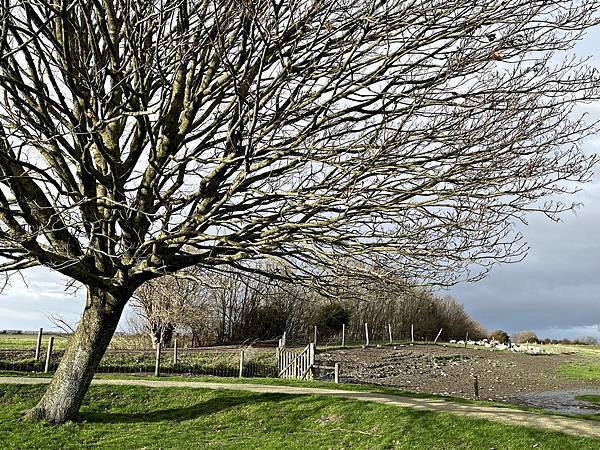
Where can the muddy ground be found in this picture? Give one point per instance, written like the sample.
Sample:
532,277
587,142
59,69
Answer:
502,375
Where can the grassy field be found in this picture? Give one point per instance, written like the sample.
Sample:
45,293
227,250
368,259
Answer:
17,353
581,371
28,341
133,417
587,350
144,361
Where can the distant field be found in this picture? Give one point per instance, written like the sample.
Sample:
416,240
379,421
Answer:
17,353
587,367
581,371
589,350
28,341
134,417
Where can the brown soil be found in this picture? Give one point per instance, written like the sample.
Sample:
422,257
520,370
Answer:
502,375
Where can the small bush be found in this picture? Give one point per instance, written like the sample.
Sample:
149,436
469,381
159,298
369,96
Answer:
500,336
525,336
330,317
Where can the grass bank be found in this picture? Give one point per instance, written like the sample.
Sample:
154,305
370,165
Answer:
134,417
589,398
290,382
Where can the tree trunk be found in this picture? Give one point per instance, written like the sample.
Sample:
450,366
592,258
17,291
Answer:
63,398
162,333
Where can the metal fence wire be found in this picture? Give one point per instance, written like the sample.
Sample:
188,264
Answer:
190,362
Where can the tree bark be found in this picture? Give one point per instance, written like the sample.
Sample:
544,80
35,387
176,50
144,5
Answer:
63,398
162,334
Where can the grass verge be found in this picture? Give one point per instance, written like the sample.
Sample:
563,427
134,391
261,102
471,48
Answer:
286,382
324,385
134,417
589,398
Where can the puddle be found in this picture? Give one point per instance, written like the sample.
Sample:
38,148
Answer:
561,401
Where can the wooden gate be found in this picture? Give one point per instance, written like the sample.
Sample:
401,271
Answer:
296,364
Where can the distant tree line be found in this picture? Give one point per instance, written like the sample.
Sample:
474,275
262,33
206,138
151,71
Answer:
524,337
236,307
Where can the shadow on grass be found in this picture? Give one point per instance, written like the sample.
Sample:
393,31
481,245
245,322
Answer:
192,412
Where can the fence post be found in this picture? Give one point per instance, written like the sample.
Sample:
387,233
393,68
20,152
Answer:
367,332
476,386
336,373
242,364
438,336
315,339
343,334
278,357
38,344
49,354
311,359
466,339
157,366
174,351
412,332
390,331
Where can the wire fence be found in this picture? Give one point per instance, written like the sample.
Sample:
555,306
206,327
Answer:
25,354
191,362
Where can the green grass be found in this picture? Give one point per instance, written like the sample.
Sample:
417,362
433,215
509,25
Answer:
28,341
581,371
449,358
586,350
285,382
133,417
318,384
589,398
258,361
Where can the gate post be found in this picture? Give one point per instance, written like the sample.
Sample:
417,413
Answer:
311,360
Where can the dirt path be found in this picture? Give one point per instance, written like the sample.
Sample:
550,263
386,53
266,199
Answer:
504,415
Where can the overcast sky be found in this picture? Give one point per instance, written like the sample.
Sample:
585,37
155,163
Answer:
554,292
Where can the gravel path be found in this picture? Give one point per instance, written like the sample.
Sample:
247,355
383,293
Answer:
508,416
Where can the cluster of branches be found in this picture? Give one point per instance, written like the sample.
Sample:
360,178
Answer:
138,138
141,137
236,308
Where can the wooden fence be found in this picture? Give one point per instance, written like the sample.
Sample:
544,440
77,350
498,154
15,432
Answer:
296,364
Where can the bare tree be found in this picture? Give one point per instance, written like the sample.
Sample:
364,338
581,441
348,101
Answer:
138,138
219,307
165,303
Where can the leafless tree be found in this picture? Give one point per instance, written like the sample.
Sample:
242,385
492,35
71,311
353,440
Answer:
218,307
165,303
138,138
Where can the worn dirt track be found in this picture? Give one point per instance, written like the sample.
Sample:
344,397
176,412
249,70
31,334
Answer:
585,428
